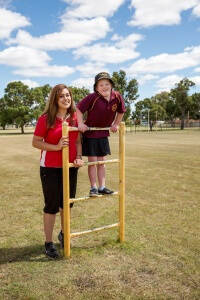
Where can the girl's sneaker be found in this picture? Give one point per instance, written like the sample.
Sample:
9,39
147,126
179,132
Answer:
61,238
93,192
105,191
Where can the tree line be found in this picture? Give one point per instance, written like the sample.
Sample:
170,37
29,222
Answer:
169,106
21,105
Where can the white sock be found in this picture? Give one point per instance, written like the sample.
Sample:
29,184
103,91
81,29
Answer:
101,188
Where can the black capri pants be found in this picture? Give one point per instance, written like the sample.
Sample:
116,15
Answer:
52,186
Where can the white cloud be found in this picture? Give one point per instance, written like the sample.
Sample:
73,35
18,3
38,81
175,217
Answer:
166,63
148,77
167,12
84,82
168,82
30,83
10,21
195,79
106,53
91,69
123,50
70,37
91,8
196,11
24,57
48,71
128,41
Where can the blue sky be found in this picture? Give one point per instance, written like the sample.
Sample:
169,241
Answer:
70,41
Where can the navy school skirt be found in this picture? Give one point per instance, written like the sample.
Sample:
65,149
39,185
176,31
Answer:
95,146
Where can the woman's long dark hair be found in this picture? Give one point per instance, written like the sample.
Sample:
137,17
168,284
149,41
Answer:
52,105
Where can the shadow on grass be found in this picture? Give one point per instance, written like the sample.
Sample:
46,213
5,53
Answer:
32,253
36,253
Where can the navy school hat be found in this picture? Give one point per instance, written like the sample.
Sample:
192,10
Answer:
102,75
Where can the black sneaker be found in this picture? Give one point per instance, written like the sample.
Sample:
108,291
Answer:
105,191
50,250
93,192
61,238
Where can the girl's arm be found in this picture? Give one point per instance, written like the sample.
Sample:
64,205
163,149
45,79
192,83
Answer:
38,142
81,126
115,124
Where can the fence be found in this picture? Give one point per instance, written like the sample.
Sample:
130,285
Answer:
165,126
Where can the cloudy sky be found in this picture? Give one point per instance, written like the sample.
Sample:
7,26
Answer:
70,41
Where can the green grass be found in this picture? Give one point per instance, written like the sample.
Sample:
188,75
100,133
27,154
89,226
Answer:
160,256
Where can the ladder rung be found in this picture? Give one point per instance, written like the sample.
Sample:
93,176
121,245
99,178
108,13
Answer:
72,200
94,230
100,162
71,128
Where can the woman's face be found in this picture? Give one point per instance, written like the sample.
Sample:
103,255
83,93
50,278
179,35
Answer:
104,87
64,101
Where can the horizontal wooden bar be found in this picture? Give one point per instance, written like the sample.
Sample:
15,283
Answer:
94,230
72,200
100,162
89,128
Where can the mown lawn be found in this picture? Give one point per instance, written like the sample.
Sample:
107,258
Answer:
160,256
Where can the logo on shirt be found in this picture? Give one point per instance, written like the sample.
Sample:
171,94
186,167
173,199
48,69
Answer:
114,107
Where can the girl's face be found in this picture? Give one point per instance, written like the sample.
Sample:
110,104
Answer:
104,87
64,101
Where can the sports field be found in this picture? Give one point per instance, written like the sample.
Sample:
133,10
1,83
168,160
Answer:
160,258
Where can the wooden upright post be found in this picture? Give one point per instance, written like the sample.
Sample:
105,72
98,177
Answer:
66,201
121,181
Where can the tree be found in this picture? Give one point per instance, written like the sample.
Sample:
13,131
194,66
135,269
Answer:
79,93
128,90
194,109
181,98
18,102
171,111
39,97
3,114
143,107
161,99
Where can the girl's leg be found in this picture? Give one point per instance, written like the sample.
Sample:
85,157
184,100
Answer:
101,171
73,173
49,221
92,171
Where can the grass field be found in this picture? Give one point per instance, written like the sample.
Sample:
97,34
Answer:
160,257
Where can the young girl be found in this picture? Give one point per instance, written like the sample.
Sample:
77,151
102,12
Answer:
48,138
105,108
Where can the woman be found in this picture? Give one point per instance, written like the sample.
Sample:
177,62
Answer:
48,138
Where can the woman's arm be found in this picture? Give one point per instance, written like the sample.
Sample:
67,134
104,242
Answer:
78,162
38,142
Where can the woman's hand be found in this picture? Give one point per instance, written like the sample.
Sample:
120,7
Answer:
78,162
64,142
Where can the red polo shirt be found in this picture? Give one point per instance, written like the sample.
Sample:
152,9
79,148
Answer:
100,112
52,136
